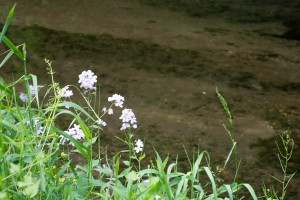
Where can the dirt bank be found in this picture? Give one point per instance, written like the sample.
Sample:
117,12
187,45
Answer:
167,65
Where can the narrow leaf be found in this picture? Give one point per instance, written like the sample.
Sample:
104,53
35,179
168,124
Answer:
6,58
7,22
13,47
82,149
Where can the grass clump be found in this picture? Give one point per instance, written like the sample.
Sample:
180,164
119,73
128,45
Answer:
35,151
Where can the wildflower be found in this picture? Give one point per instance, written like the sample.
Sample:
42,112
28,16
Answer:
138,149
101,122
23,97
118,100
53,167
63,155
40,131
110,111
35,122
31,90
106,166
87,79
75,132
104,109
74,180
157,197
138,146
62,179
139,143
65,92
128,119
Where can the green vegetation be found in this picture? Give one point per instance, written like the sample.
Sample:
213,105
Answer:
35,153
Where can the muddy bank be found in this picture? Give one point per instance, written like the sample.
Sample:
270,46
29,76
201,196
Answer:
172,93
168,76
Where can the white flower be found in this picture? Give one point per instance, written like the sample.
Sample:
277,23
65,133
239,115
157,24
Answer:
125,126
118,100
101,122
157,197
128,119
75,132
139,143
110,111
65,92
35,122
104,109
32,90
138,149
87,79
138,146
40,131
23,97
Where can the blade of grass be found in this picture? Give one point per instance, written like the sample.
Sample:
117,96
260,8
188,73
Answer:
229,190
250,189
13,47
212,181
7,22
82,149
8,91
6,58
36,91
82,125
229,154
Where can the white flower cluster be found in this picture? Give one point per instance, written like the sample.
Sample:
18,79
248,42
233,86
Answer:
128,119
101,122
87,79
110,111
138,146
117,99
65,92
75,132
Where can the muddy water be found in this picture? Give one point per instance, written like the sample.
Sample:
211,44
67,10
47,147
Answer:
167,65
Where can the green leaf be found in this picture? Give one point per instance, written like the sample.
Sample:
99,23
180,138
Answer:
84,128
81,148
229,191
6,58
132,176
251,190
36,91
13,47
76,106
7,22
62,170
212,181
197,164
